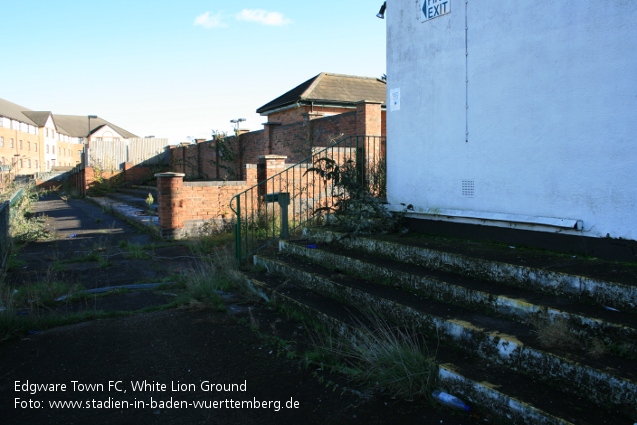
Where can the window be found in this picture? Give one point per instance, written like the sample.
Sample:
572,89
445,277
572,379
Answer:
99,139
53,149
21,163
37,165
35,146
47,132
47,150
29,162
47,165
1,141
116,139
20,144
11,143
28,146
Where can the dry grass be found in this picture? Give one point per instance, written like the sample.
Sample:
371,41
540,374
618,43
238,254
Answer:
211,276
385,357
555,333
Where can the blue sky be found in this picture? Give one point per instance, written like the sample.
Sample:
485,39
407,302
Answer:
179,69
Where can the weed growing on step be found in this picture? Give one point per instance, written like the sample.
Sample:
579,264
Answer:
211,276
554,333
387,358
559,334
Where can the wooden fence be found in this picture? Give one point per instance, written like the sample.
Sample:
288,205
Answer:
110,155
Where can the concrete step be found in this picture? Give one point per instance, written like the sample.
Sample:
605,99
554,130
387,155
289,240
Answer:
131,213
134,200
587,322
489,387
488,317
497,340
139,191
602,282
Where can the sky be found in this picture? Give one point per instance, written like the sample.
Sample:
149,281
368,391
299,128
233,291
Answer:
183,68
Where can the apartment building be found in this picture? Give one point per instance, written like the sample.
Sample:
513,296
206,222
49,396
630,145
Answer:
36,141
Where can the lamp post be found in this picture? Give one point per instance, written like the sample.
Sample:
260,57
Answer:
237,123
89,126
16,158
381,13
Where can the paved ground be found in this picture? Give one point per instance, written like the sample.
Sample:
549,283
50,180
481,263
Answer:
178,353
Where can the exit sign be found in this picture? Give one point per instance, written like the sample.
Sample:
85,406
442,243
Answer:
434,8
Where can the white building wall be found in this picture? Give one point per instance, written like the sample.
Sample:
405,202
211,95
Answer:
535,103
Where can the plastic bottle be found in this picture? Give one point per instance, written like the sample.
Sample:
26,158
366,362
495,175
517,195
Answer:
449,400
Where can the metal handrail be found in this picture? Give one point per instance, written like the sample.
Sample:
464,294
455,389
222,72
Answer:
296,196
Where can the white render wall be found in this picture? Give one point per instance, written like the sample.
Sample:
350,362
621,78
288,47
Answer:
535,103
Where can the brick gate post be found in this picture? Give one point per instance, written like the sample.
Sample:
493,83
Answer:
170,203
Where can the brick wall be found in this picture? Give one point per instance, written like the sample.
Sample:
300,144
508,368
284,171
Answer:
292,133
87,178
183,206
186,205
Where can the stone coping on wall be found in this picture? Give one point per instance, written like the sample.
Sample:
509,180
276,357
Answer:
217,183
273,156
170,174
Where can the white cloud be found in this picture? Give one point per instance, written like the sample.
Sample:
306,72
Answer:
209,21
263,17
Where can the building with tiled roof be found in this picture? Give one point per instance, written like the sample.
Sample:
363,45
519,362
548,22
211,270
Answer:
323,95
35,141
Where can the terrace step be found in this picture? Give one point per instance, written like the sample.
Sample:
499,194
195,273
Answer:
134,198
603,282
487,320
515,303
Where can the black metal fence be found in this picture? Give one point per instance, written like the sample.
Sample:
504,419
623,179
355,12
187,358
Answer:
299,194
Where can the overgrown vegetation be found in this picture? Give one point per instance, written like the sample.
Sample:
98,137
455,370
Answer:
225,154
352,204
23,225
210,277
223,160
103,184
384,357
560,334
31,307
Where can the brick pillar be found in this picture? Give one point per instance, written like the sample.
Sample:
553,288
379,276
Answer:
250,171
268,139
128,175
268,166
368,118
89,178
170,205
369,123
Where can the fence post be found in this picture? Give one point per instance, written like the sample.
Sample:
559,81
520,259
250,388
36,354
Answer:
237,231
284,203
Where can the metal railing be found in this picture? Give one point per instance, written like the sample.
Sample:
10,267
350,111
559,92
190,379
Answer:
5,239
299,194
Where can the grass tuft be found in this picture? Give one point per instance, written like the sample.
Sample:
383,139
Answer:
384,357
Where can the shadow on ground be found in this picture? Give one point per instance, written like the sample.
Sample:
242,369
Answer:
169,366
